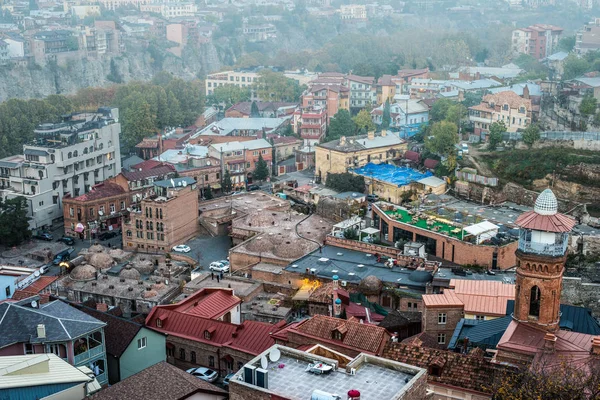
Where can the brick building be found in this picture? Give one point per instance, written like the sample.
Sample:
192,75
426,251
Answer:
167,218
153,146
538,41
139,183
240,158
515,111
196,336
311,123
99,210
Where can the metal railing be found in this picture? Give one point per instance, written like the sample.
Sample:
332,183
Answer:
557,249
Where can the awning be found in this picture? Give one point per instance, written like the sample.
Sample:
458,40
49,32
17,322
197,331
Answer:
79,228
215,186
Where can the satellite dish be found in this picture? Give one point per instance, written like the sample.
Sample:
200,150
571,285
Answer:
34,304
264,363
36,273
208,163
100,213
274,355
184,183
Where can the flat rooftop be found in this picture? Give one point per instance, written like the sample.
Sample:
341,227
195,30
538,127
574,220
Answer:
375,378
241,287
398,176
245,203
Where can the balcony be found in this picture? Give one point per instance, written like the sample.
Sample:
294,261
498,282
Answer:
88,347
556,249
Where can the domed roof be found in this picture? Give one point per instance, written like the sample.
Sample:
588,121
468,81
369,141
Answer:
130,273
101,260
420,276
96,248
370,285
83,273
546,203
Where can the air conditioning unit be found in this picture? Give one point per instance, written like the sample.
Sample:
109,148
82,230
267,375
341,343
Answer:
262,378
249,374
343,283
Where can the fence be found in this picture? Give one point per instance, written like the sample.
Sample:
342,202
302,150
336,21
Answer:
556,135
466,175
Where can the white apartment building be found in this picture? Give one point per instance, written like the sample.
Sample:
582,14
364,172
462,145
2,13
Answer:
171,9
240,78
353,12
68,157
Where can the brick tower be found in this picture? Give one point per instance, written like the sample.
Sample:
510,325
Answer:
541,256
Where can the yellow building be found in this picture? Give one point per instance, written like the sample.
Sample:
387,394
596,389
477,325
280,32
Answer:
339,155
239,78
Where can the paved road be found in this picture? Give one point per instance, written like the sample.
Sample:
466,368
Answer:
207,249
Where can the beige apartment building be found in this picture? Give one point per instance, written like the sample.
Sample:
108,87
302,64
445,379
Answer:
339,155
239,78
507,106
167,218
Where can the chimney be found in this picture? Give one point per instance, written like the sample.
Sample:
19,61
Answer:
41,331
343,141
384,133
371,135
549,341
335,282
596,346
526,92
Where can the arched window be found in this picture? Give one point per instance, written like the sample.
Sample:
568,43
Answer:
70,155
211,361
534,301
193,357
182,354
75,153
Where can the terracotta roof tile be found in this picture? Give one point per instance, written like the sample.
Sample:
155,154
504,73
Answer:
146,165
41,283
446,299
101,191
457,370
361,337
209,303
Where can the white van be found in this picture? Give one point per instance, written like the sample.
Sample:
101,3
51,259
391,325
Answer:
465,148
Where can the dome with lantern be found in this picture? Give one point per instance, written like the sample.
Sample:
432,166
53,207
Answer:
545,216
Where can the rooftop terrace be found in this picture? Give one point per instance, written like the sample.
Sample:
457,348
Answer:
431,223
399,176
375,378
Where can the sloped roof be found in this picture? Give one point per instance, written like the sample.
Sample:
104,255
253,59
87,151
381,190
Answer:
208,303
162,381
442,300
458,370
396,319
22,372
361,337
548,223
63,323
118,332
412,155
147,165
480,333
245,107
101,191
430,163
41,283
154,172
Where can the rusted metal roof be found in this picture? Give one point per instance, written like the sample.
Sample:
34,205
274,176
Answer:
547,223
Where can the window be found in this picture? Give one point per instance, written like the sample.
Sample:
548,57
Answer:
240,365
122,205
29,348
159,323
7,290
207,335
91,212
128,233
211,361
229,365
142,343
112,208
442,318
441,338
193,357
337,335
534,301
182,354
102,209
170,351
480,317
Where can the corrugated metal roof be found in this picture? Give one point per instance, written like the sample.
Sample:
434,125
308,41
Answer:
17,371
446,299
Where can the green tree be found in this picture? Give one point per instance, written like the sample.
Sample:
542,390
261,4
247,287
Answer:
228,95
439,110
443,137
114,75
226,183
346,182
495,137
471,99
138,122
208,194
14,223
363,121
456,114
275,86
531,134
574,67
261,172
386,118
341,125
567,43
254,112
588,105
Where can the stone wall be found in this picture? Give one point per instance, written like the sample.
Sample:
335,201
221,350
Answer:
576,292
431,325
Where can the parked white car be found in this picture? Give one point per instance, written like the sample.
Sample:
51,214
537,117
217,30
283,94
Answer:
181,248
204,373
218,266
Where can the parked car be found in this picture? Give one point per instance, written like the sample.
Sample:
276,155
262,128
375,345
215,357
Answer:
227,379
224,262
67,240
252,188
203,373
62,256
107,235
181,248
44,236
218,266
371,198
44,269
465,148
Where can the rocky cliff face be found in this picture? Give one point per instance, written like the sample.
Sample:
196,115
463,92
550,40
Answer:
37,82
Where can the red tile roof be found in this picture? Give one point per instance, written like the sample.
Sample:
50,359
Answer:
147,165
412,155
147,144
101,191
430,163
360,337
468,372
41,283
24,294
549,223
163,170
